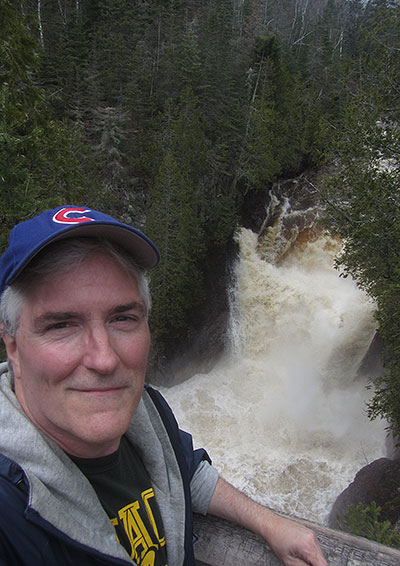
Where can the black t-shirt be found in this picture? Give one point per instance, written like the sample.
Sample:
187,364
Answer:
123,487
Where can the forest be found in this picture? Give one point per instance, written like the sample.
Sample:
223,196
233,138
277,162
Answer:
177,115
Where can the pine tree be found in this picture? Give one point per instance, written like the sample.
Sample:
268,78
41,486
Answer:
20,128
363,203
274,130
175,219
41,159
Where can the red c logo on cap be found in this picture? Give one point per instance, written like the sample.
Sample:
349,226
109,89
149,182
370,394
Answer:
62,216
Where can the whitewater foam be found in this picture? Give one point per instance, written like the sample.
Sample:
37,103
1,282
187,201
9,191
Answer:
283,416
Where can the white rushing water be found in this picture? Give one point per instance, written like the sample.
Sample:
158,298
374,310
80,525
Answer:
283,416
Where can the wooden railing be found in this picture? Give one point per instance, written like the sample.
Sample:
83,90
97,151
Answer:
222,543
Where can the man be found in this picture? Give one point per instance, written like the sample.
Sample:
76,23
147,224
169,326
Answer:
93,467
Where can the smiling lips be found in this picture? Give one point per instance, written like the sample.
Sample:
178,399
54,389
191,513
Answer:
100,390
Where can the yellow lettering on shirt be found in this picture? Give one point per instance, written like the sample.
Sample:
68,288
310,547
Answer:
143,544
135,529
149,559
147,496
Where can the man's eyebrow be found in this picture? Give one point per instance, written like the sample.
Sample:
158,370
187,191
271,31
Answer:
59,316
54,316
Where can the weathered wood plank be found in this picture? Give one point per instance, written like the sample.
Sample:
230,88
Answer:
224,544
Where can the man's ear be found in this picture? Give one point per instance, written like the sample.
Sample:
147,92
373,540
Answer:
10,343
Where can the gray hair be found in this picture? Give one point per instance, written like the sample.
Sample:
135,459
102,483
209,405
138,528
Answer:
58,257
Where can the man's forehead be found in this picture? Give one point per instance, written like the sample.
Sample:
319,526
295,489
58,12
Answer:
96,259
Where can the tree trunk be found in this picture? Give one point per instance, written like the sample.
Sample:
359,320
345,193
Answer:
39,15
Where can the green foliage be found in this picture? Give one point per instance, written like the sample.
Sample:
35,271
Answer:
363,203
274,128
19,120
259,163
19,56
364,520
328,62
177,282
364,208
42,162
174,219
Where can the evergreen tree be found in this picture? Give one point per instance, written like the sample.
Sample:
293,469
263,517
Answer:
363,199
274,130
175,219
176,284
19,117
41,159
218,70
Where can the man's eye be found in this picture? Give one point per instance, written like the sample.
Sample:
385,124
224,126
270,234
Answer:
125,318
58,325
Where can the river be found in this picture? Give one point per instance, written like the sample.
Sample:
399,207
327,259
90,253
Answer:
283,415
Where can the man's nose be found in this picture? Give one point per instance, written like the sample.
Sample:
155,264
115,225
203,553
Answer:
100,354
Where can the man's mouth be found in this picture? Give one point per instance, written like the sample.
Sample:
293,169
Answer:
100,390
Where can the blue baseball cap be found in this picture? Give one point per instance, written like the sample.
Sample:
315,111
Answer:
28,238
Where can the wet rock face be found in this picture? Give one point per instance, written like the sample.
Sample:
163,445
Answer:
379,482
206,342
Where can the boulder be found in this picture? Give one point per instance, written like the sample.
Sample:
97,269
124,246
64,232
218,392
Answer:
379,482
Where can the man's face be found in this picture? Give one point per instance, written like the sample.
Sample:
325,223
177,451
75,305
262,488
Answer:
79,355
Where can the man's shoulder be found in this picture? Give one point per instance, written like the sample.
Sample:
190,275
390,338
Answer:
21,540
13,485
14,499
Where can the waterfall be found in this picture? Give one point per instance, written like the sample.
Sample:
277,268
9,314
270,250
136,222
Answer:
283,415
